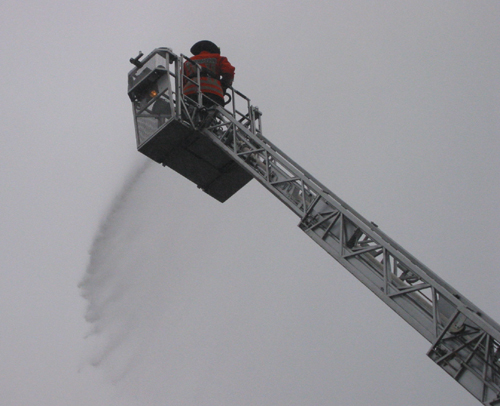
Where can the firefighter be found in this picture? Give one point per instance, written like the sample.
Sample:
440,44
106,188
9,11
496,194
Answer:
216,75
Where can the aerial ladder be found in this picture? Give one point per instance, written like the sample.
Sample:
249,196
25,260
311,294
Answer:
221,149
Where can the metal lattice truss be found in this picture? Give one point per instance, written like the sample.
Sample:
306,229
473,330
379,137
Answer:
465,341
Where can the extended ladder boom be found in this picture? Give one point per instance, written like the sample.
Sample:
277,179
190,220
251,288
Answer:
465,342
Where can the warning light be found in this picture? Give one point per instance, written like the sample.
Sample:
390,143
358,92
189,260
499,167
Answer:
153,93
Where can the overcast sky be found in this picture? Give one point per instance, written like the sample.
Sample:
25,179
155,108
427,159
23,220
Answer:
393,105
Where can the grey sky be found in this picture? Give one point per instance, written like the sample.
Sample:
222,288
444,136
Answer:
393,105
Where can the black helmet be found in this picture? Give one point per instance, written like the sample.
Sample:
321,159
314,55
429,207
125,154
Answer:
208,46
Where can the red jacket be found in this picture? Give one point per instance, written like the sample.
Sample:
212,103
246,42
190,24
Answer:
216,77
